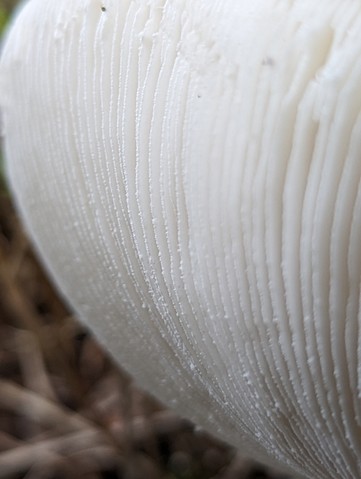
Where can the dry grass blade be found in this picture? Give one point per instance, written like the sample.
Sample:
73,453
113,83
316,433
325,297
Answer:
32,365
24,457
39,409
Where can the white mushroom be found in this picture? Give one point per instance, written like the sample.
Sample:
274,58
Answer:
190,173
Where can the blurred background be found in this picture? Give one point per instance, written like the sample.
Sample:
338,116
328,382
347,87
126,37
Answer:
65,410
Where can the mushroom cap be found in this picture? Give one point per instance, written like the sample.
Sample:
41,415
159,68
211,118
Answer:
190,173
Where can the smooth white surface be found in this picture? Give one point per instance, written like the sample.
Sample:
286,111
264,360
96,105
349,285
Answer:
189,171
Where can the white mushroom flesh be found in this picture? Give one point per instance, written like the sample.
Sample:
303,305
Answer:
190,173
